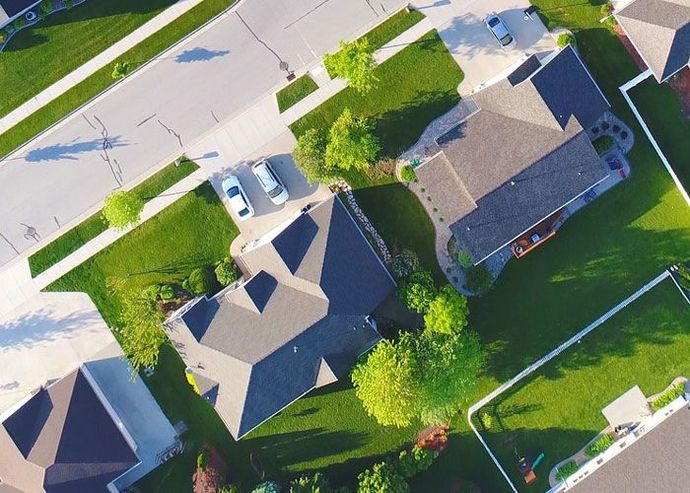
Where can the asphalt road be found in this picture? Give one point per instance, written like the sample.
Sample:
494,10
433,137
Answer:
156,113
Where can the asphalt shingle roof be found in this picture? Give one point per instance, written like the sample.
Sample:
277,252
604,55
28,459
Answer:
660,31
63,440
13,7
305,302
656,462
521,157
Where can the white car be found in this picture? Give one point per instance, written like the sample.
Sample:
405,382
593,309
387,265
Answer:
238,199
500,31
270,182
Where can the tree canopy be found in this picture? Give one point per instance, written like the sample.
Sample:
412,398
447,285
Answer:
448,311
122,209
309,156
355,62
351,143
424,377
382,478
417,291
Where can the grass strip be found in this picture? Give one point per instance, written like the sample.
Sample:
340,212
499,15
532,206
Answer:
295,92
87,230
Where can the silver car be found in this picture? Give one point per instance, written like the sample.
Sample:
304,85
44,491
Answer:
238,199
270,182
500,31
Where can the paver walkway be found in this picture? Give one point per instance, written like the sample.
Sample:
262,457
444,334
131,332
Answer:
96,63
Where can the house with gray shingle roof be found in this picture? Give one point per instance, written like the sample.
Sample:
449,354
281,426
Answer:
299,321
520,158
12,9
660,32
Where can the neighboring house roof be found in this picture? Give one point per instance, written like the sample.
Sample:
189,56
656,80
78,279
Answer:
14,7
522,156
298,323
656,462
63,440
660,31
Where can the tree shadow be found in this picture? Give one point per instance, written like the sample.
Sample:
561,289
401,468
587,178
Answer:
199,54
71,150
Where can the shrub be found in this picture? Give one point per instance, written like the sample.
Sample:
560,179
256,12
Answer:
606,9
317,483
198,282
46,7
69,4
418,291
19,23
669,396
598,446
478,279
566,470
166,292
565,39
464,259
202,459
3,37
486,420
229,488
121,69
415,461
404,264
407,173
267,487
151,292
382,478
225,272
603,143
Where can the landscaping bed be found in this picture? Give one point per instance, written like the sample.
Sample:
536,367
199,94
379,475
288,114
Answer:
558,409
76,237
101,79
295,92
415,86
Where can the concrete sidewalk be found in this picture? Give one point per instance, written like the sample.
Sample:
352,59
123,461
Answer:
96,63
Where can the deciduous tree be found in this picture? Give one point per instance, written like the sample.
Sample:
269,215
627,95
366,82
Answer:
448,311
382,478
309,156
418,291
355,62
122,209
141,332
351,143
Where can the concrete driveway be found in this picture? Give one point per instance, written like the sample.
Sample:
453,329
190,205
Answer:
221,160
472,44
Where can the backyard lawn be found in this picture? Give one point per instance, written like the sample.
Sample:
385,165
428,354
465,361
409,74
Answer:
601,255
558,409
76,237
194,231
671,128
101,79
415,86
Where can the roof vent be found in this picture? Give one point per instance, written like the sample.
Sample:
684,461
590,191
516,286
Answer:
295,348
512,183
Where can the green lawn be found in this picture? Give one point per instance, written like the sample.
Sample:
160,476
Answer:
295,92
101,79
600,256
558,410
194,231
671,128
415,86
60,248
393,27
40,55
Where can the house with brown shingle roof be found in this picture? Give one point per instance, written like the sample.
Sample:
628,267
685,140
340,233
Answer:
660,32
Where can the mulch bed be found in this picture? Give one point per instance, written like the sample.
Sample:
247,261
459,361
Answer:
629,46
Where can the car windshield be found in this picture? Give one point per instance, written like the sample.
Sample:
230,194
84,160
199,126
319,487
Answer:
506,40
493,21
232,191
